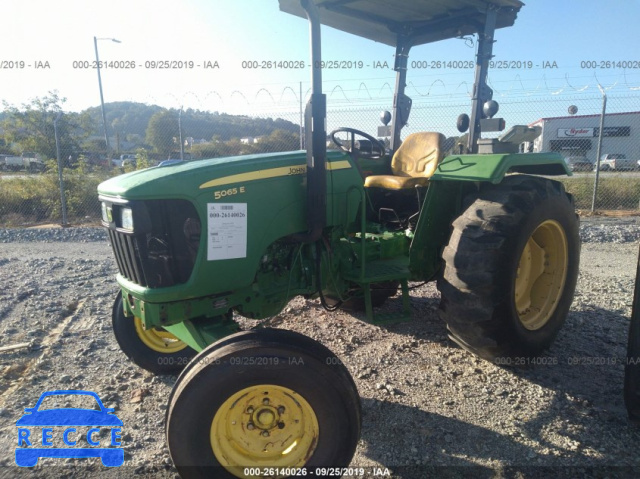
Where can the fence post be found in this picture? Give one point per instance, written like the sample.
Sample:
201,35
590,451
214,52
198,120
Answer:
598,151
180,134
301,135
63,200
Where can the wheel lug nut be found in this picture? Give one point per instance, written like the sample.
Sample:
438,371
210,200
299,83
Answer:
250,409
280,425
281,410
265,433
250,426
265,401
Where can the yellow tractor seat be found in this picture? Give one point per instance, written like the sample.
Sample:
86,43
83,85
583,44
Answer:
412,164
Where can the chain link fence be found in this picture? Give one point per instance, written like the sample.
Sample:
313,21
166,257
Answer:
51,162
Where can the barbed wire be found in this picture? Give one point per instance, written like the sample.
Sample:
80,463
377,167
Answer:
435,89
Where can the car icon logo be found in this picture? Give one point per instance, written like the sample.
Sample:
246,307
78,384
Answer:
80,430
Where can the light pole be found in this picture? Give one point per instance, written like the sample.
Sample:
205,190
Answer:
104,117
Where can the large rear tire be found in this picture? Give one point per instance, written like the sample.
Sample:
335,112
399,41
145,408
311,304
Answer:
511,268
265,400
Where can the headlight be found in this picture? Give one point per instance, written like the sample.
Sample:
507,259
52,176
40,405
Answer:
126,218
107,214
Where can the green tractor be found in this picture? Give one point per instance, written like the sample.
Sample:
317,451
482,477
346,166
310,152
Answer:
197,242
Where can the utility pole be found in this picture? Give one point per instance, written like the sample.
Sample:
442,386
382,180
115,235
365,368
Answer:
104,117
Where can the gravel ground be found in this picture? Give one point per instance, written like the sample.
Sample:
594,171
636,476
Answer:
429,407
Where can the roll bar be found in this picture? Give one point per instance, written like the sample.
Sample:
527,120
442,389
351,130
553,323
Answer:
315,136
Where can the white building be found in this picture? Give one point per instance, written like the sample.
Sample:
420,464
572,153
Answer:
250,140
578,135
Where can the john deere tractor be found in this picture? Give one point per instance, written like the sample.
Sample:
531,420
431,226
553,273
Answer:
201,241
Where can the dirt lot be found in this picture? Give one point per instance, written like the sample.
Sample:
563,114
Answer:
429,407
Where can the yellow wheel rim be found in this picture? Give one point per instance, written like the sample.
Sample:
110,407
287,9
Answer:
542,272
264,426
157,339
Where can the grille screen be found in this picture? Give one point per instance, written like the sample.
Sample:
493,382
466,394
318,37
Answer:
164,252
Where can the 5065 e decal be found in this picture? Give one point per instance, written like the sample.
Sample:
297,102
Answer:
228,192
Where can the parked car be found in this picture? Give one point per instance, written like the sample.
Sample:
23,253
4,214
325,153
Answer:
579,163
125,160
34,164
170,162
15,163
618,162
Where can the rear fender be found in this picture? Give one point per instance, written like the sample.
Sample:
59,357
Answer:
493,168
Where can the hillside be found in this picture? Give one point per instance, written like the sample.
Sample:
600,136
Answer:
132,125
130,118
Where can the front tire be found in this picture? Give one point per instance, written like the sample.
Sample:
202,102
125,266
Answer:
155,350
511,268
262,399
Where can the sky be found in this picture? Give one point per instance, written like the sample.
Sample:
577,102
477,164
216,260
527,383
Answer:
569,37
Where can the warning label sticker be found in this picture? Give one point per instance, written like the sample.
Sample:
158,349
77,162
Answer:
227,231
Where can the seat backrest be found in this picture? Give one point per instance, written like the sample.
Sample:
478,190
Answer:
418,155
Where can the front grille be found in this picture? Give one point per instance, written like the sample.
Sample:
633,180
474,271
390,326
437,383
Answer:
128,259
162,249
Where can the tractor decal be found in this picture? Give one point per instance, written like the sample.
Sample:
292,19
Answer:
272,173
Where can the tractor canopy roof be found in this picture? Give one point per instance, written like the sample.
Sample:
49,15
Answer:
412,21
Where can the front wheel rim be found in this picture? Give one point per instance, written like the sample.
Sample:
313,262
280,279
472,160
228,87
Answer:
158,340
264,426
541,275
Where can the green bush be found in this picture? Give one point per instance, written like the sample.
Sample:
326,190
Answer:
619,192
31,199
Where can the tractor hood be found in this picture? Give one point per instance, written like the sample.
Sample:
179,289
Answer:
189,179
419,21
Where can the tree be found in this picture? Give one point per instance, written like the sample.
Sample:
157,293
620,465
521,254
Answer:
162,132
278,140
31,127
4,147
95,144
207,150
142,159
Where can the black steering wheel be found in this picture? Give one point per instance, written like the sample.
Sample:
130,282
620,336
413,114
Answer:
372,150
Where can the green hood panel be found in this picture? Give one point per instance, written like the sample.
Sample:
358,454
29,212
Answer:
183,180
